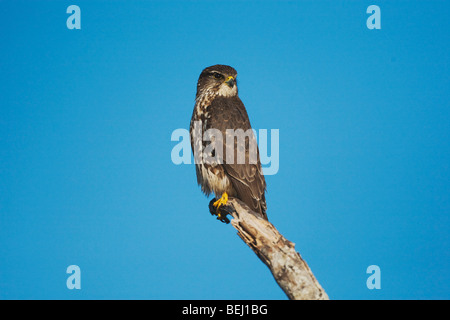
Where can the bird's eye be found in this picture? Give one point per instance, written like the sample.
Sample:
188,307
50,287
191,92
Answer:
218,75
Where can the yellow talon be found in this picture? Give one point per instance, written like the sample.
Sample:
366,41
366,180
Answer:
214,208
222,201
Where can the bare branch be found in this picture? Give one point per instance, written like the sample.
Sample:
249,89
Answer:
287,266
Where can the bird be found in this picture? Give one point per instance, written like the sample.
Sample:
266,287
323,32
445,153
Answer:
219,109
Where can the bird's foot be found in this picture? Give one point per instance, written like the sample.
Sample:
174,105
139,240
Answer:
218,208
222,201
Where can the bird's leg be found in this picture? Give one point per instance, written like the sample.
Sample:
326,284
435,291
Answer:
215,208
222,201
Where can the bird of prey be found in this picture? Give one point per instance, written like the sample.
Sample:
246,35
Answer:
218,107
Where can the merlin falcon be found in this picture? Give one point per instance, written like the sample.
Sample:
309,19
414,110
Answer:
219,109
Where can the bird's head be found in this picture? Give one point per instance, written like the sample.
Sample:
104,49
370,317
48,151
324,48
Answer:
218,80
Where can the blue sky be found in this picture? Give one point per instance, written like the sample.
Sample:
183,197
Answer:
86,176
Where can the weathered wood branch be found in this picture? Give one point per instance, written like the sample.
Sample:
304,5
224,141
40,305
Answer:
287,266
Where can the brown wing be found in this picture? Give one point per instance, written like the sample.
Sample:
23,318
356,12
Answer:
247,178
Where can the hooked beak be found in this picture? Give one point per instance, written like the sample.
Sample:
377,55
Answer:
230,81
